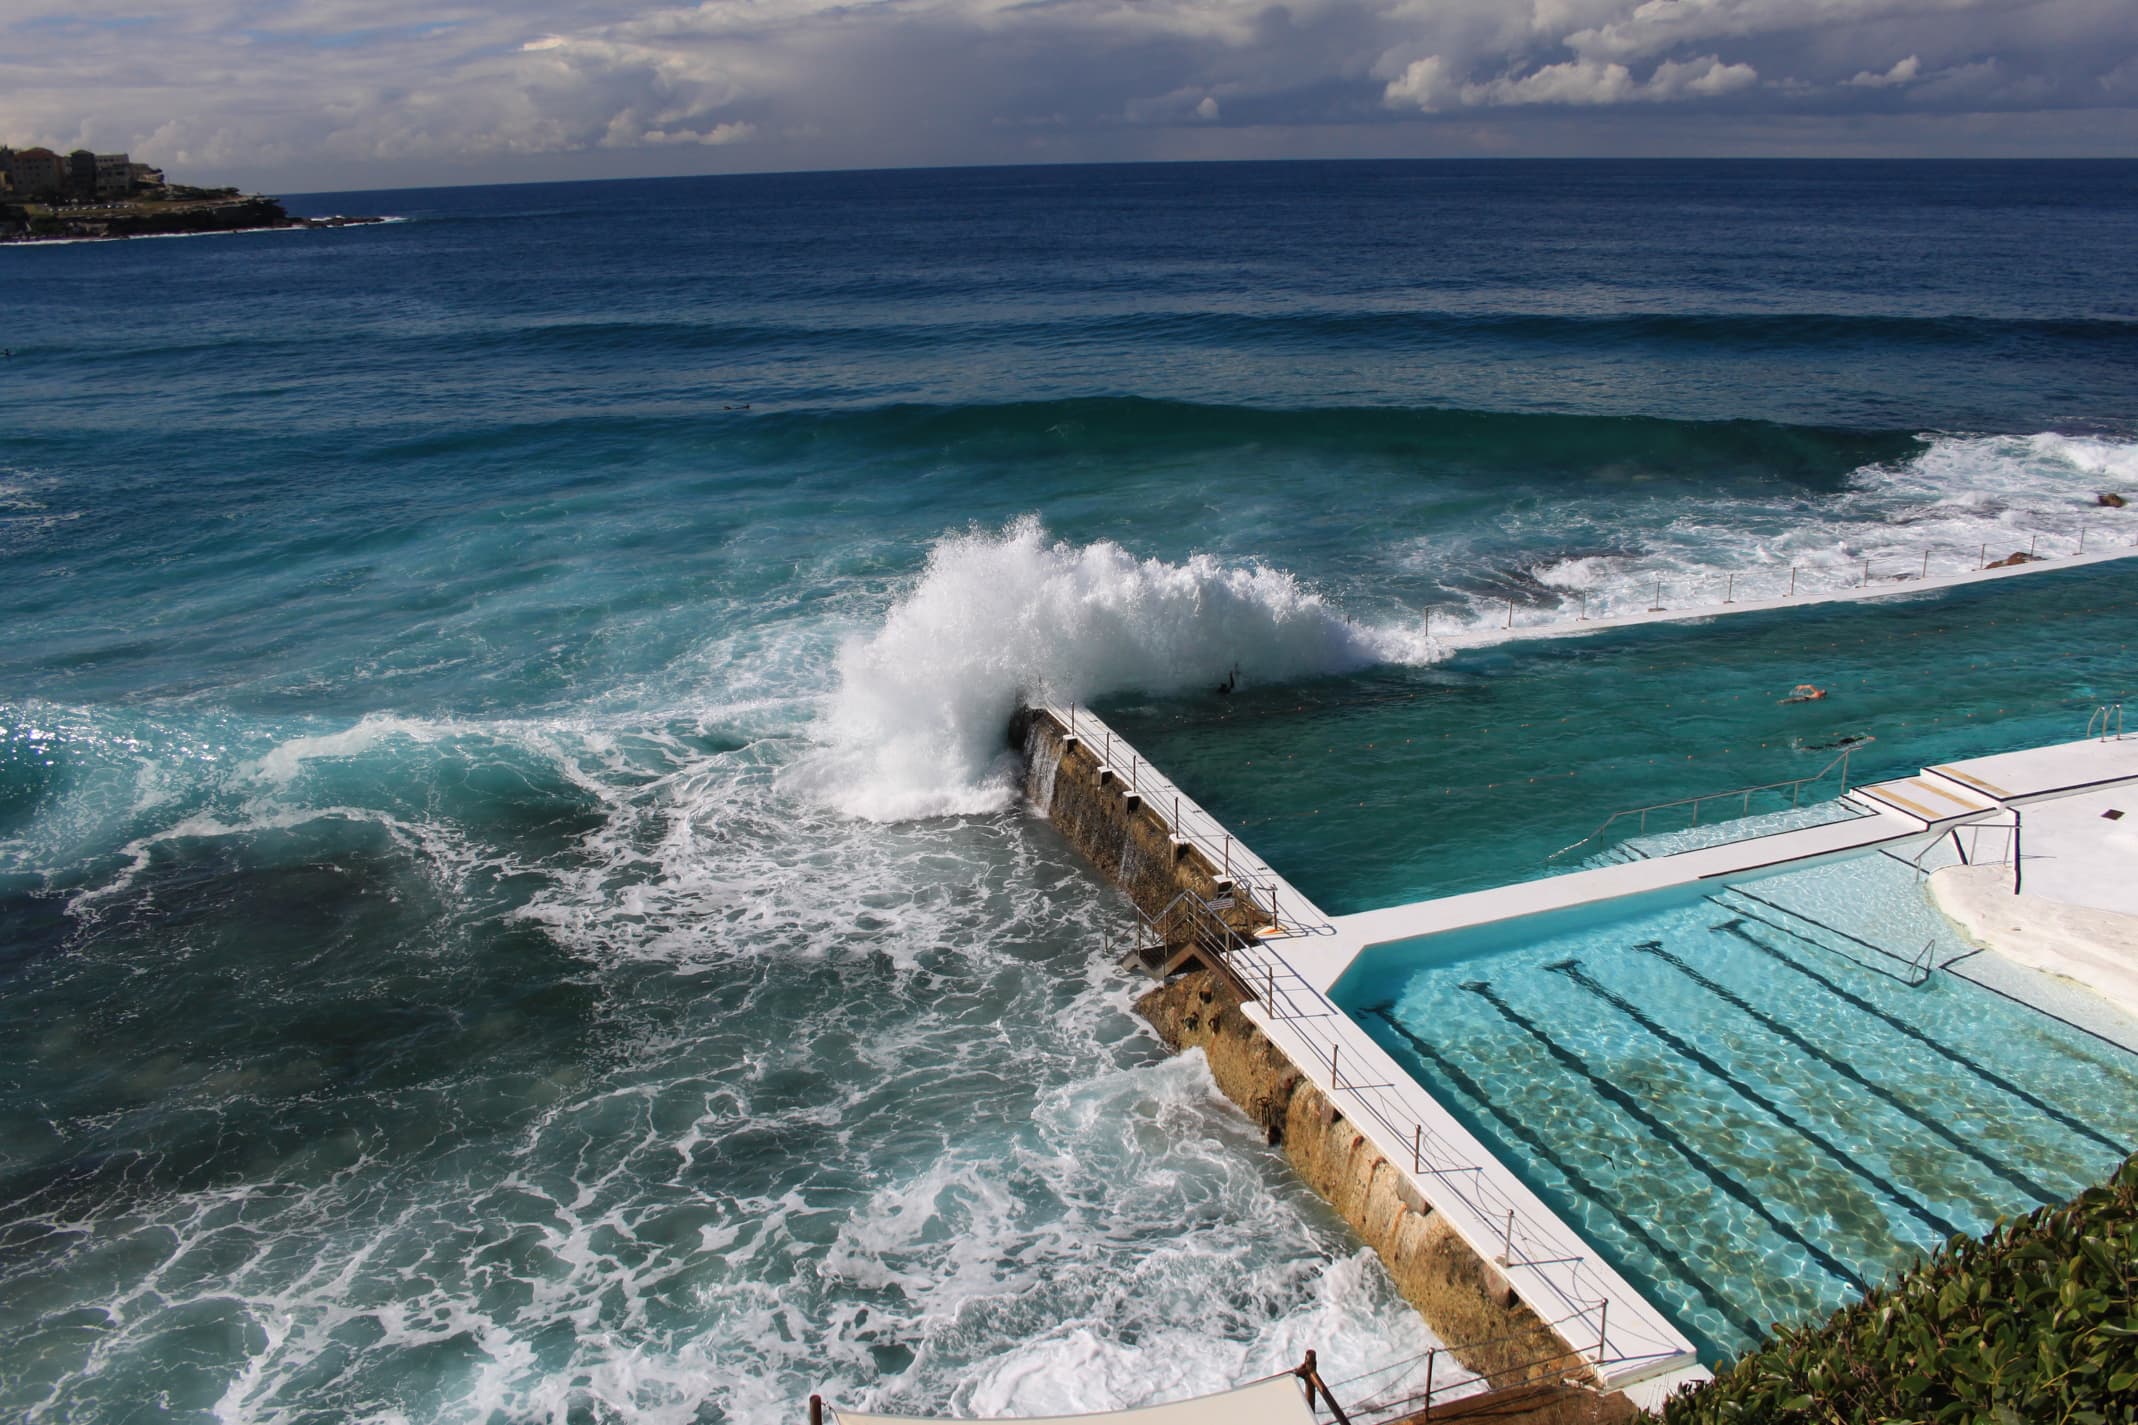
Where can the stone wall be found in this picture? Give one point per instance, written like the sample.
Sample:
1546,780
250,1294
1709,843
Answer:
1130,843
1461,1297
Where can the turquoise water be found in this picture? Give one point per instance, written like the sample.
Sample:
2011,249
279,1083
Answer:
512,903
1752,1115
1398,784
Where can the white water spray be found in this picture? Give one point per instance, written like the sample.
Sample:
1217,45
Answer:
917,725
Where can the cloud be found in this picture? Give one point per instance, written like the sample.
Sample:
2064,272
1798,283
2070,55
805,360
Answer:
1902,72
317,93
1425,85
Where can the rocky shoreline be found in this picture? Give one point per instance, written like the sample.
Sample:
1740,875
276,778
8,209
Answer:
33,222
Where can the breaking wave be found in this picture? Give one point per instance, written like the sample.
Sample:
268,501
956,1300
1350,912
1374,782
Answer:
916,725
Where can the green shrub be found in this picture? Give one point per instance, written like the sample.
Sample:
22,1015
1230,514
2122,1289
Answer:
2038,1322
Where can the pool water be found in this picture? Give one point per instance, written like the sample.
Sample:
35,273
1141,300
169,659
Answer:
1737,1094
1404,783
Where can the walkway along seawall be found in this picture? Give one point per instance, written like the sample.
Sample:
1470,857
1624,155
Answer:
1463,1298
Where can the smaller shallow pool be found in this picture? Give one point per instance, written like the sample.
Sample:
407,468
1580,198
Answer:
1741,1094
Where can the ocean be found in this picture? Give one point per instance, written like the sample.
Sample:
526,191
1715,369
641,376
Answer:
512,905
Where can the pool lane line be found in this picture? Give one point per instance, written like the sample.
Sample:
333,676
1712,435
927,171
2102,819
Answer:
1568,1059
1686,1049
1989,1076
1848,1071
1587,1190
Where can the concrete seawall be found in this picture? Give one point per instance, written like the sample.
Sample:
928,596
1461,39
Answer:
1464,1299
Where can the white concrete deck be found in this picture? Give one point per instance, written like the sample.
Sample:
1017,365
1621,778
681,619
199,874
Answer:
1517,627
2076,914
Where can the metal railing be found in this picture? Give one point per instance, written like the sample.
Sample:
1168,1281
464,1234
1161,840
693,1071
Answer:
1407,1389
1543,1263
2101,716
1229,860
1795,787
1335,1048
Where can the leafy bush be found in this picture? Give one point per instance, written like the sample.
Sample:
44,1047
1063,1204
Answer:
2038,1322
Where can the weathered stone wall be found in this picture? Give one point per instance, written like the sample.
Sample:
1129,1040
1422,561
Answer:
1461,1297
1130,843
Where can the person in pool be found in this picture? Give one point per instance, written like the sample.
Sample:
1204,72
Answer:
1805,693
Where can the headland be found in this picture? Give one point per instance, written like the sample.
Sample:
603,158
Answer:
87,197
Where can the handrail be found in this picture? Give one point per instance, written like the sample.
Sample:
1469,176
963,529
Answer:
1538,1255
1296,1004
1228,858
2101,715
1796,786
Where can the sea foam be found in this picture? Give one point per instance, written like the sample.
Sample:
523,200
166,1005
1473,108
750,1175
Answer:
916,725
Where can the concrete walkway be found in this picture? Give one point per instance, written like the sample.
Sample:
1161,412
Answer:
2076,916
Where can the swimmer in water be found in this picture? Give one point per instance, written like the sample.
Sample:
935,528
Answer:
1805,693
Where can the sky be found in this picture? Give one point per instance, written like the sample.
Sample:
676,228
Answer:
322,95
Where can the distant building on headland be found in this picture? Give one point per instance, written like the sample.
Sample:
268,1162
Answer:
41,174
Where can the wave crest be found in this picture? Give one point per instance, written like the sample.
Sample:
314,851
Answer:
916,725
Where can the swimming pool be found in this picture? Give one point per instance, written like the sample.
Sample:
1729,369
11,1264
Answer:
1400,784
1757,1099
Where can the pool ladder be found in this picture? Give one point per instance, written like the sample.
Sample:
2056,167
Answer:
2104,716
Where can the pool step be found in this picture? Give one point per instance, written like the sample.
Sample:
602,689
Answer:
1803,929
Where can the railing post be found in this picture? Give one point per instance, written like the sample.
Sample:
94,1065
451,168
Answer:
1603,1322
1510,613
1657,606
1271,970
816,1410
1333,1047
1507,1249
1866,573
1417,1147
2082,536
1432,1354
2016,877
1584,606
1792,582
1982,556
1729,595
1926,564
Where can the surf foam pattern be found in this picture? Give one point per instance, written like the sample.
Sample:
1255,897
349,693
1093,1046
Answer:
691,1104
1961,500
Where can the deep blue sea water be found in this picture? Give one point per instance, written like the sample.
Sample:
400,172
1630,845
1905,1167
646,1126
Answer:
510,905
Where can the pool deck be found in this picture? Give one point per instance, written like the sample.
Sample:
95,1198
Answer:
1301,956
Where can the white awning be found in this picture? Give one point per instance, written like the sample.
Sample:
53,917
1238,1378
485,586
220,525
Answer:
1280,1400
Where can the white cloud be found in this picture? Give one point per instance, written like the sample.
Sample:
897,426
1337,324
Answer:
1903,72
1207,110
1423,84
1589,82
